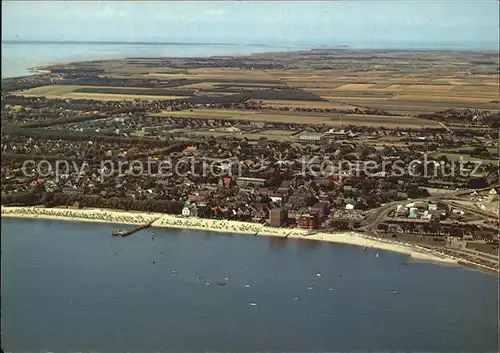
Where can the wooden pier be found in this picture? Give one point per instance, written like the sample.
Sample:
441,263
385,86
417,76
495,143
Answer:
126,232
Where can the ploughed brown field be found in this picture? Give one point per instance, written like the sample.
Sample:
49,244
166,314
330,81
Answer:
394,82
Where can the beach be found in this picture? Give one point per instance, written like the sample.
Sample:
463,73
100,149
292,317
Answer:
172,221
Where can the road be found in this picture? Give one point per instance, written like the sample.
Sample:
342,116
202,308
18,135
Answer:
444,126
478,254
473,210
373,220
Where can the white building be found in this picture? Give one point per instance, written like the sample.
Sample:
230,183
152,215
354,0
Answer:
311,137
276,199
186,212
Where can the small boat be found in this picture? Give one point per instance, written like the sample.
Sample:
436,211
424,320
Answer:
377,255
174,272
253,304
318,274
395,291
247,286
221,283
364,248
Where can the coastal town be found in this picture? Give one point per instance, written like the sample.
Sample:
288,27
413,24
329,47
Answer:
262,157
250,176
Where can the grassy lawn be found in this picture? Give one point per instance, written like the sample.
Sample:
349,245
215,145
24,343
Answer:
464,157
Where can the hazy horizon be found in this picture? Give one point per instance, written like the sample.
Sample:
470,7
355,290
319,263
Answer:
305,23
429,45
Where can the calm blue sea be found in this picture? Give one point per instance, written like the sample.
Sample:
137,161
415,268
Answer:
73,287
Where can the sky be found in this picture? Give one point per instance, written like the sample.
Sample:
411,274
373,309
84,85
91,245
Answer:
247,22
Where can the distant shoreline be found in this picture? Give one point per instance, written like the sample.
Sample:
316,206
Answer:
38,70
493,47
255,49
52,42
162,220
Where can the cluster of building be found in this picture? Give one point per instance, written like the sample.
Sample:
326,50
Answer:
280,182
60,148
309,218
425,210
262,175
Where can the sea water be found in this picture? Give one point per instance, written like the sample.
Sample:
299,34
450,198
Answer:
69,286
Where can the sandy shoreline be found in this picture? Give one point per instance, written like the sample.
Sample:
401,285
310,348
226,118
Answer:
170,221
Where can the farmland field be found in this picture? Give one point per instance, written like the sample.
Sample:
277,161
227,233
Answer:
207,113
303,104
274,135
134,92
458,157
89,92
117,97
404,83
49,91
306,118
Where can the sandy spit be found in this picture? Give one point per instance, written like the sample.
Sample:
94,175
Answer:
171,221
